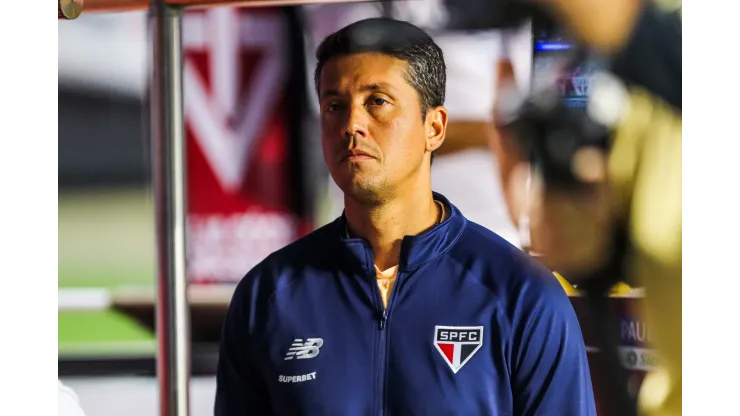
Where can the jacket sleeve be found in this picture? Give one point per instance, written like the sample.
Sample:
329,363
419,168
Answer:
550,372
645,172
240,389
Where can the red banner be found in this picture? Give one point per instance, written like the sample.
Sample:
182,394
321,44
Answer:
240,195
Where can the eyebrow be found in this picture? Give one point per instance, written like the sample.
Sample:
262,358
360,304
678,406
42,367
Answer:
368,87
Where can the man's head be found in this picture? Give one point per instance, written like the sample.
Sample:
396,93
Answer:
381,87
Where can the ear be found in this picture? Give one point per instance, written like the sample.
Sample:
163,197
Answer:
436,128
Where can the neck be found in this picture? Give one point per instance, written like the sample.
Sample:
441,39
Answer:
385,225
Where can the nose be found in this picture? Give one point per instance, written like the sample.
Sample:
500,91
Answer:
355,123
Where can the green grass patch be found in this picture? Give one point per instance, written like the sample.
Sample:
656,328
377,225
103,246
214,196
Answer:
106,277
76,327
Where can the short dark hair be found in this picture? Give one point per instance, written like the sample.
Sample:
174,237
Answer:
426,70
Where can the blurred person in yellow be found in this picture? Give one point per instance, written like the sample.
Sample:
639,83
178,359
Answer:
639,186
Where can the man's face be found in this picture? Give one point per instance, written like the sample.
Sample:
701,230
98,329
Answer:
374,140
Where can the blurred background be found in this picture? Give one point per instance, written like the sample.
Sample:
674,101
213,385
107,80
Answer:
106,211
255,173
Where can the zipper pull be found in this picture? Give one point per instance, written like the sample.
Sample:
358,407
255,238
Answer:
383,318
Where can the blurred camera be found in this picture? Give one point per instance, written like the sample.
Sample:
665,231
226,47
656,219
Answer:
564,123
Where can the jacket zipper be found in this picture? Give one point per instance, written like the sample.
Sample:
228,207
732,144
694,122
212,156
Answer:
383,346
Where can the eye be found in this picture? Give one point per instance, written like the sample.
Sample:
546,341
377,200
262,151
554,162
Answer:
378,101
333,106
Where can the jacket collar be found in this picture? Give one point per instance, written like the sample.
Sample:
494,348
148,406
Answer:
415,250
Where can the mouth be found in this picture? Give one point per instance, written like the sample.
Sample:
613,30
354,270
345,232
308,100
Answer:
355,155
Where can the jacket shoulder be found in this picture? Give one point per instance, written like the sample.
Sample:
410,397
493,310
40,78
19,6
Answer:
500,266
283,266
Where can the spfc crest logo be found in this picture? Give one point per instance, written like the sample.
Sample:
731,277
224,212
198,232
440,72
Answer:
458,344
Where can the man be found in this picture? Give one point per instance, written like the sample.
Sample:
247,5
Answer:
401,305
471,58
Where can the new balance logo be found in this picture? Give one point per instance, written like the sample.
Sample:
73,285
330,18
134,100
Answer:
303,350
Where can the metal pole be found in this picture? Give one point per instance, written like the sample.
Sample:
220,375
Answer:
69,9
168,145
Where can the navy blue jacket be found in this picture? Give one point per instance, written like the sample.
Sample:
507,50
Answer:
472,327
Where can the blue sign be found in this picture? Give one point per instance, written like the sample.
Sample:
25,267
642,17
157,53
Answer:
552,46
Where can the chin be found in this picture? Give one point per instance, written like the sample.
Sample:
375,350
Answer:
362,189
